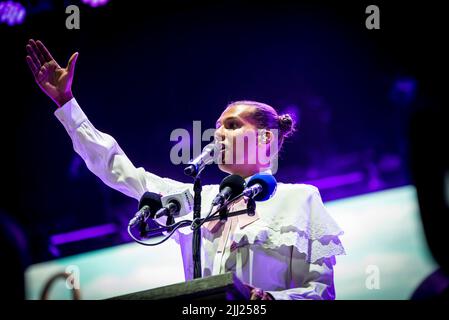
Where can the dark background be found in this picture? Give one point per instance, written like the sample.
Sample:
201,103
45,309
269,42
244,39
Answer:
146,70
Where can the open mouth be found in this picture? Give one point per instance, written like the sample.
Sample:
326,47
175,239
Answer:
221,147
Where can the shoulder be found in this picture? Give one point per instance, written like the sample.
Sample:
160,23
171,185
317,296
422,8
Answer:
296,190
299,200
291,202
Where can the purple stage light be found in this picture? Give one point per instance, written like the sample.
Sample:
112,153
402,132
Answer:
337,181
83,234
75,167
403,90
95,3
12,13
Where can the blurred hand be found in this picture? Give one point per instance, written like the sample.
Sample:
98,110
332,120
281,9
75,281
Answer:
258,294
55,81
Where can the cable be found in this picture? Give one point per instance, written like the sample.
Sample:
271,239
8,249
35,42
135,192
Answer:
196,226
76,293
168,226
180,223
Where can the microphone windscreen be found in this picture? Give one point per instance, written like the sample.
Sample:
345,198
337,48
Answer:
151,199
235,182
268,183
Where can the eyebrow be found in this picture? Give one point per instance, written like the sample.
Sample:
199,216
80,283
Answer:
217,124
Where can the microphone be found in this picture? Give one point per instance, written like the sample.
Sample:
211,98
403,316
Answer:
178,204
261,187
208,155
230,187
149,203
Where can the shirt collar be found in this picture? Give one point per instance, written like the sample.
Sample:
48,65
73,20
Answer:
243,219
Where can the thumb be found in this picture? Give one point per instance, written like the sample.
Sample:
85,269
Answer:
72,62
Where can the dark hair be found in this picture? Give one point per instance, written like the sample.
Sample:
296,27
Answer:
266,117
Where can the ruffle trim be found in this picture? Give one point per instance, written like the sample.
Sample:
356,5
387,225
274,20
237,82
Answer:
314,249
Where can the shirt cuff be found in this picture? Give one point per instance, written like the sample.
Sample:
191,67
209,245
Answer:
70,115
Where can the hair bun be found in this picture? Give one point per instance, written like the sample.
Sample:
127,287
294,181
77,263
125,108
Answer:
286,125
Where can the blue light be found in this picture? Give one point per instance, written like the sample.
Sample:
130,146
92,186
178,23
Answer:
12,13
403,90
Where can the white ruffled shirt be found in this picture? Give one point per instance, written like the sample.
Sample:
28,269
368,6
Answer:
287,249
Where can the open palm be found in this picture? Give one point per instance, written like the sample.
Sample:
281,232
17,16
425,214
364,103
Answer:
54,80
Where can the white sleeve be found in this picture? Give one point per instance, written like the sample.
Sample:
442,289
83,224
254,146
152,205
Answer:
104,157
316,283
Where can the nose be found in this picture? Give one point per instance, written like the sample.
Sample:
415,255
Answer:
219,135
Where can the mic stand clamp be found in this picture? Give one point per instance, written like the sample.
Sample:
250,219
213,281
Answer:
143,228
251,207
170,221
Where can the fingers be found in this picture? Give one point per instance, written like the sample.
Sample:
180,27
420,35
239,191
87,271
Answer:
44,51
34,69
259,294
41,73
33,56
72,62
256,294
37,51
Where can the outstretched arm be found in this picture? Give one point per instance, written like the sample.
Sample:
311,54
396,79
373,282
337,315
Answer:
101,152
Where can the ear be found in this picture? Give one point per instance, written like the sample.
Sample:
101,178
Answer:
265,136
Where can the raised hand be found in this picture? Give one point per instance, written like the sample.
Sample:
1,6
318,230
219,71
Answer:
55,81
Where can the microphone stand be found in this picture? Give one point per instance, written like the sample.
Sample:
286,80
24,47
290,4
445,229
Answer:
223,213
249,211
196,240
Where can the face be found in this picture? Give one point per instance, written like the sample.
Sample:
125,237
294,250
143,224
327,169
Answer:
241,142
